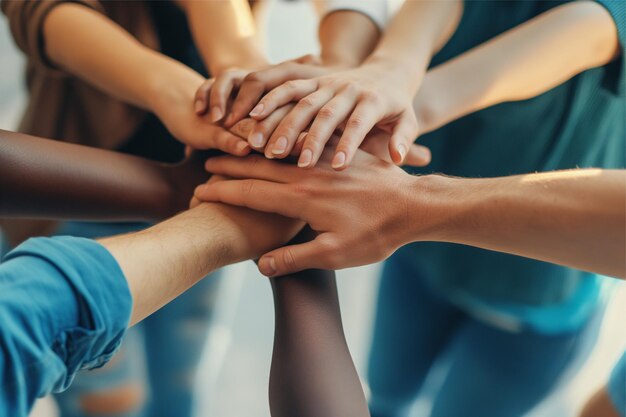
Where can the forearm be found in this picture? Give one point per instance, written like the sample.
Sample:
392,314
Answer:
225,33
347,37
94,48
575,218
521,63
417,31
42,178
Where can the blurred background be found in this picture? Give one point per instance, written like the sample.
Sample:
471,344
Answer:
233,378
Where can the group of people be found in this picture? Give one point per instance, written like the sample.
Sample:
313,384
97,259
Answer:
499,275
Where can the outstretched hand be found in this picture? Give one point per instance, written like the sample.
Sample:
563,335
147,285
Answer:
360,214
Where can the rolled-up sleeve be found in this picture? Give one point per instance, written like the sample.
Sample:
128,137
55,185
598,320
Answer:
64,306
26,18
616,80
377,10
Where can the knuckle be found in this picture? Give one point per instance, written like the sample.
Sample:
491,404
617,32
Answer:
252,77
291,84
306,103
371,97
356,122
289,260
246,187
327,113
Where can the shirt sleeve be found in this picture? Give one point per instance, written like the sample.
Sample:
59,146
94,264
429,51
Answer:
617,386
377,10
64,306
616,79
26,20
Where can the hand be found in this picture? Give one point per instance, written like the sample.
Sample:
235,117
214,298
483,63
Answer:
360,215
250,85
361,99
174,105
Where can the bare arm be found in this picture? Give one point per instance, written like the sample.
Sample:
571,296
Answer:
521,63
41,178
574,218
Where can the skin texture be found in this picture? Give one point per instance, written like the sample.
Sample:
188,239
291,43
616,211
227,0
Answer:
521,63
574,218
311,360
600,405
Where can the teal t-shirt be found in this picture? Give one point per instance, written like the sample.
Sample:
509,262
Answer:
580,123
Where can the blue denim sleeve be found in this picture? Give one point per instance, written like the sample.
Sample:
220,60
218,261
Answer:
616,81
64,306
617,386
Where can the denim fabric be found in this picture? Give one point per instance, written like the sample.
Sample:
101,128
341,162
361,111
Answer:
483,369
64,306
160,354
617,386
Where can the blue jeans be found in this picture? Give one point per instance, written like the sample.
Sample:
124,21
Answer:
488,371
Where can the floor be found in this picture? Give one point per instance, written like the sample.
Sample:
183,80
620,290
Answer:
233,377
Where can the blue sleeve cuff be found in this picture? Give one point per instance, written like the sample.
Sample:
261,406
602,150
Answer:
102,295
617,386
616,76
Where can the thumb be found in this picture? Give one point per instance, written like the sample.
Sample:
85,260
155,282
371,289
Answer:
294,258
404,133
418,156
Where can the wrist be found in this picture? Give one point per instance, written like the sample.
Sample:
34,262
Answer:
438,208
170,82
408,73
251,60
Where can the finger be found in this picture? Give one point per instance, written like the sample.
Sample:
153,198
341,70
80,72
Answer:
201,99
220,93
404,133
361,121
296,258
229,143
418,156
253,166
252,194
263,129
292,90
298,119
249,94
330,116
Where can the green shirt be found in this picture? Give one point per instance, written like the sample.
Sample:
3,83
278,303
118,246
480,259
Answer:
580,123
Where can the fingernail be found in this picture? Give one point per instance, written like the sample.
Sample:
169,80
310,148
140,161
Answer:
256,139
199,106
423,152
258,109
267,266
306,157
216,114
339,160
280,146
401,148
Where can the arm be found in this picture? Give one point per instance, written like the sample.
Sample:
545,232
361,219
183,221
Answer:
346,37
574,218
42,178
225,33
377,94
521,63
90,46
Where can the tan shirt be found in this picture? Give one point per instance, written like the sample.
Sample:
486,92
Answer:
60,105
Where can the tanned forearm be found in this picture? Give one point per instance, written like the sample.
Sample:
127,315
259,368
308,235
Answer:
521,63
163,261
417,31
90,46
575,218
41,178
347,38
225,33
